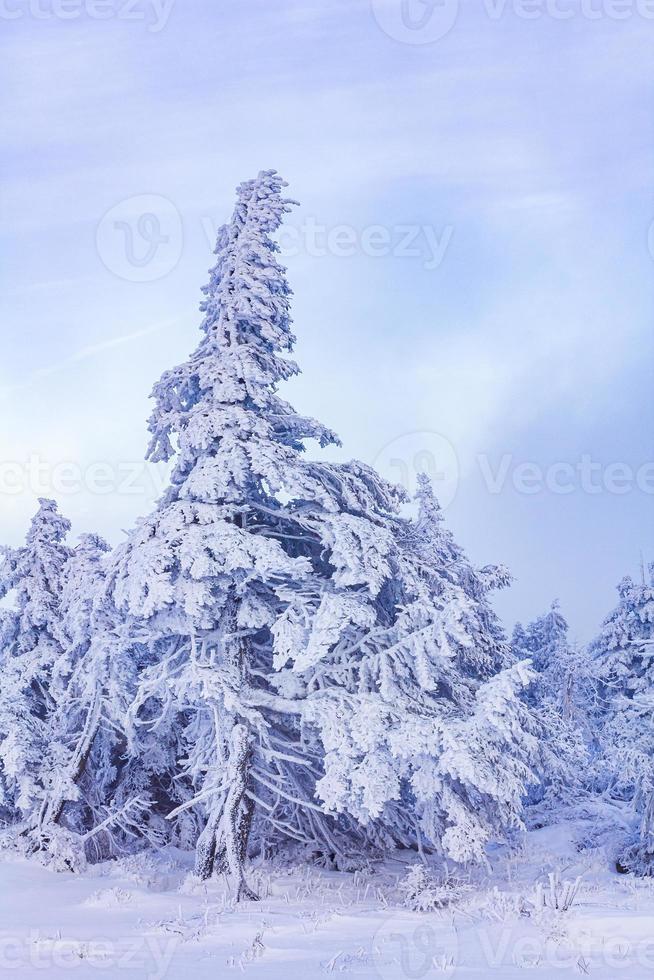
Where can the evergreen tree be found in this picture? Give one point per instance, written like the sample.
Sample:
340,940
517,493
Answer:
544,642
313,676
34,648
229,575
71,789
8,634
624,657
76,694
425,731
559,696
101,797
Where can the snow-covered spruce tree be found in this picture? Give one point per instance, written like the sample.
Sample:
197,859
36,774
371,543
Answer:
623,654
99,805
70,788
324,679
76,686
544,642
560,696
92,686
32,654
226,574
427,740
8,633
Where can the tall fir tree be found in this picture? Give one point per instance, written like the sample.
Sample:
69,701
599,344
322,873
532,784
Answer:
228,575
313,676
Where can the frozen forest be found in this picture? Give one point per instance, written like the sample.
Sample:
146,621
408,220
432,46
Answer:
290,668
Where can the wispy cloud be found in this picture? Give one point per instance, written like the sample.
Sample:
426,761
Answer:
84,354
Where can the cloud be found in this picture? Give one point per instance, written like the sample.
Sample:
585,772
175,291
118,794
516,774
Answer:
84,354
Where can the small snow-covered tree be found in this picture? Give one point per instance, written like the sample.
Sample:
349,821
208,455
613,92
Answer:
8,633
101,798
560,696
623,654
544,642
34,648
71,788
76,693
320,669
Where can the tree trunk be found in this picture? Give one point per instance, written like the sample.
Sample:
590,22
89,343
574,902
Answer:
223,844
237,817
81,754
647,827
205,849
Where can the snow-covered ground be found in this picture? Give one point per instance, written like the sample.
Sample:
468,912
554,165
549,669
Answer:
144,919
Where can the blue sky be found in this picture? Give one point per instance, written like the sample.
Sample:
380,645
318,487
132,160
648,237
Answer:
470,261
